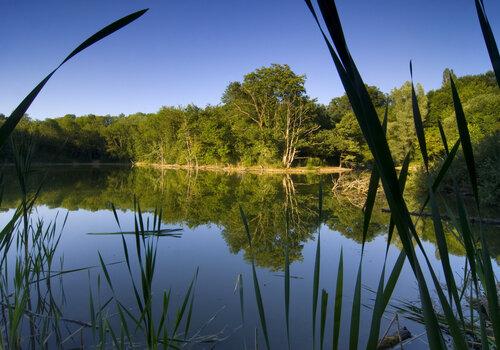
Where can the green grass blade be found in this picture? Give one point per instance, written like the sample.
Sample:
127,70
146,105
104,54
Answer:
377,313
491,291
373,132
317,265
369,204
258,296
489,39
240,292
116,215
356,311
104,32
11,122
182,310
287,280
324,306
393,278
443,253
463,131
443,137
338,302
419,126
105,270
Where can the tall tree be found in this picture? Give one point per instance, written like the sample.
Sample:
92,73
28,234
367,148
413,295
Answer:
401,128
273,99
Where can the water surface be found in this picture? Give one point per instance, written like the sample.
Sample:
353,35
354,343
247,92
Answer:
205,206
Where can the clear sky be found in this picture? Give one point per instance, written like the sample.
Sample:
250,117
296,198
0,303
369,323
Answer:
187,51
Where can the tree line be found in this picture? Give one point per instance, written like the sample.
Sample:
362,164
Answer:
266,119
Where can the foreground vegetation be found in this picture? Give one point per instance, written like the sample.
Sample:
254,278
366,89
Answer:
31,317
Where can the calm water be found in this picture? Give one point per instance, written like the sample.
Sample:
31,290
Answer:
205,206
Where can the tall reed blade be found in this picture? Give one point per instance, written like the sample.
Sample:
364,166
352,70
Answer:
419,126
11,122
367,117
317,263
463,131
443,253
287,278
258,296
337,312
489,39
324,306
356,310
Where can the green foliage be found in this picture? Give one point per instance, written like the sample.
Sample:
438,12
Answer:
400,129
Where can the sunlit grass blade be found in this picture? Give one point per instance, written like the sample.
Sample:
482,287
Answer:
11,122
337,312
463,131
489,39
443,137
324,306
258,296
419,126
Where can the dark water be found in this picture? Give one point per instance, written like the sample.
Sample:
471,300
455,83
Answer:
205,206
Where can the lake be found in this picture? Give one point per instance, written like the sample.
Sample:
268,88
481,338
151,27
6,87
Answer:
204,206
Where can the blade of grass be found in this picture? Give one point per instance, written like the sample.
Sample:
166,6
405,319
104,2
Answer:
356,311
373,132
287,279
338,302
11,122
443,253
463,131
258,296
489,39
324,306
317,267
417,119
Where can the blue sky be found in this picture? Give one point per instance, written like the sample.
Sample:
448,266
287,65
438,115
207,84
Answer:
187,51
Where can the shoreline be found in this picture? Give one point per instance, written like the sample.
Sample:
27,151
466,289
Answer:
94,164
246,169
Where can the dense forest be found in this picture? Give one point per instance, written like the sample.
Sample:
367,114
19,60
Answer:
268,119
